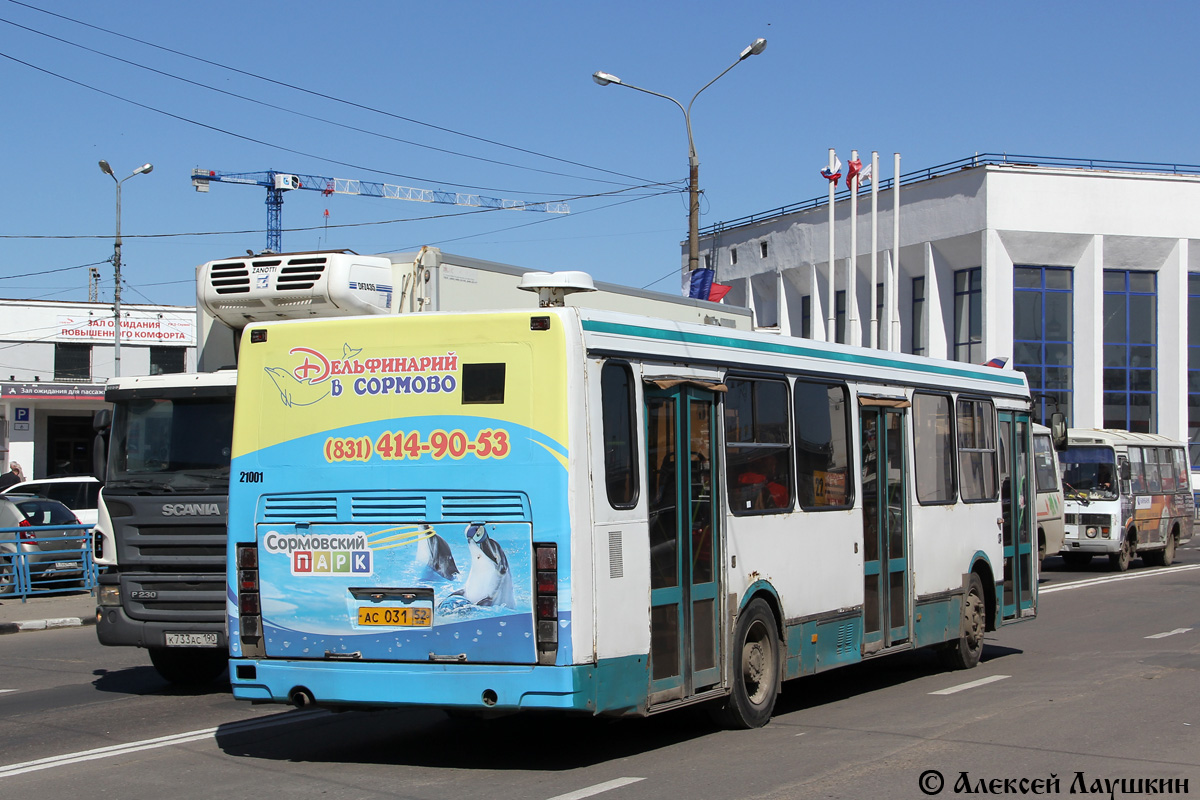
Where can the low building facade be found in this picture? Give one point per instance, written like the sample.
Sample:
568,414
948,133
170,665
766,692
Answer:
1081,274
55,358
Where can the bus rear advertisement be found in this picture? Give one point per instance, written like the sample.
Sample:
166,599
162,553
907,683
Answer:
588,511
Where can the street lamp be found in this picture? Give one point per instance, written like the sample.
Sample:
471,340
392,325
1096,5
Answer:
116,259
605,78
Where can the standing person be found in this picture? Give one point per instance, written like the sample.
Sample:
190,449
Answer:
14,476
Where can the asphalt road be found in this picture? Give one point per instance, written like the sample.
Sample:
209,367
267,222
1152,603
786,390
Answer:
1103,685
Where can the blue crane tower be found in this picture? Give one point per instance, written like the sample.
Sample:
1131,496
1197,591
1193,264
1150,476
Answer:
277,183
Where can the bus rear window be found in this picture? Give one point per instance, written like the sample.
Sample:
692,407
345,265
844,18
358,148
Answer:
483,383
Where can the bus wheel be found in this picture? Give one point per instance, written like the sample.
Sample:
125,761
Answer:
754,669
189,666
1161,558
1119,560
1077,559
1168,553
964,652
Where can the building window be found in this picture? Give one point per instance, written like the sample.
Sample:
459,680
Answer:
918,316
968,315
839,323
620,434
733,255
167,360
1193,366
72,362
757,446
1130,350
1042,336
762,246
806,316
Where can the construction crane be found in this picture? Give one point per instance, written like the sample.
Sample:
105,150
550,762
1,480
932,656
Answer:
277,183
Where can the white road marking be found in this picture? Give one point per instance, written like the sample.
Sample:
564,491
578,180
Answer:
597,789
962,687
153,744
1063,587
1168,633
2,691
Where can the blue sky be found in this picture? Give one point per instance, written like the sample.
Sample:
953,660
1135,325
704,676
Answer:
935,81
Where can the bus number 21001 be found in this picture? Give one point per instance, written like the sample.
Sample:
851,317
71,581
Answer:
250,477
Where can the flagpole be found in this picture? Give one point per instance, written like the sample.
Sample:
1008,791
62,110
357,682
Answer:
853,330
831,321
895,310
874,249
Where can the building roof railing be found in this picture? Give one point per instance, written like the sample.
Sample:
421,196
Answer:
977,160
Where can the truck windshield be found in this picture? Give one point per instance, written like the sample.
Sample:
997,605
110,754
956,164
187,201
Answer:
1089,472
171,444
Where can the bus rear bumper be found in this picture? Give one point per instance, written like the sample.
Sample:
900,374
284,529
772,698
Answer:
616,686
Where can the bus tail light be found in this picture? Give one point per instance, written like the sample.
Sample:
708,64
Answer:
249,607
546,561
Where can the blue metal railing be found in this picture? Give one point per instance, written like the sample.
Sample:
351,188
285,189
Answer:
56,562
978,160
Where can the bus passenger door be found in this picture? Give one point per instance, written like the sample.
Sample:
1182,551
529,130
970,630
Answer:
1016,497
684,646
885,528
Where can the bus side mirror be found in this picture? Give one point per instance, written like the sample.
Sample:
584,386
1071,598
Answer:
1126,471
1058,430
102,420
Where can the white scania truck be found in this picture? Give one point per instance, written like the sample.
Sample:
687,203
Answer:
160,539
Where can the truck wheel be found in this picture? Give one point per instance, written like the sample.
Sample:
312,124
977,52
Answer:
964,652
753,669
187,666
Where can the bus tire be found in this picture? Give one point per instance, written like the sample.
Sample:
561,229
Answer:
186,666
1077,559
964,652
1119,560
753,669
1161,558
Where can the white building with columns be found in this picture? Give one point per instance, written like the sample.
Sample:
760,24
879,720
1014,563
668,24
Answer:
1080,273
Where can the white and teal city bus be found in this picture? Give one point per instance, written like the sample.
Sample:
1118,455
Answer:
612,514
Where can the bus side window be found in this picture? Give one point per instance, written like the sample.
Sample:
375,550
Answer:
1166,471
620,434
1137,477
1150,465
757,446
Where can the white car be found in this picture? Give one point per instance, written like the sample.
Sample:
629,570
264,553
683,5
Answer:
79,493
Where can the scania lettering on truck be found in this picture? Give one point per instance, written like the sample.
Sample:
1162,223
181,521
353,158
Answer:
160,539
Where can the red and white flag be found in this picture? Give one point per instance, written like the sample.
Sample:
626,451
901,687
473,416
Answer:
833,173
857,174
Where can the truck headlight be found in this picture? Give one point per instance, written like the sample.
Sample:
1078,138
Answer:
109,596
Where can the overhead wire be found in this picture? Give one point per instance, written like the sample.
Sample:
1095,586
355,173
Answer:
312,116
331,98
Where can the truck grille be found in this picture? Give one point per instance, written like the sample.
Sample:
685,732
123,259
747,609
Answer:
174,598
199,548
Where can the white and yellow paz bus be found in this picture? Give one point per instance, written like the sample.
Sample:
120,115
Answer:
589,511
1127,495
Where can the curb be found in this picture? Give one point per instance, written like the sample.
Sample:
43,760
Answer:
45,624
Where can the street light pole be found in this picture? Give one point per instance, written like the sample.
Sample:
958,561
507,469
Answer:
605,78
116,260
